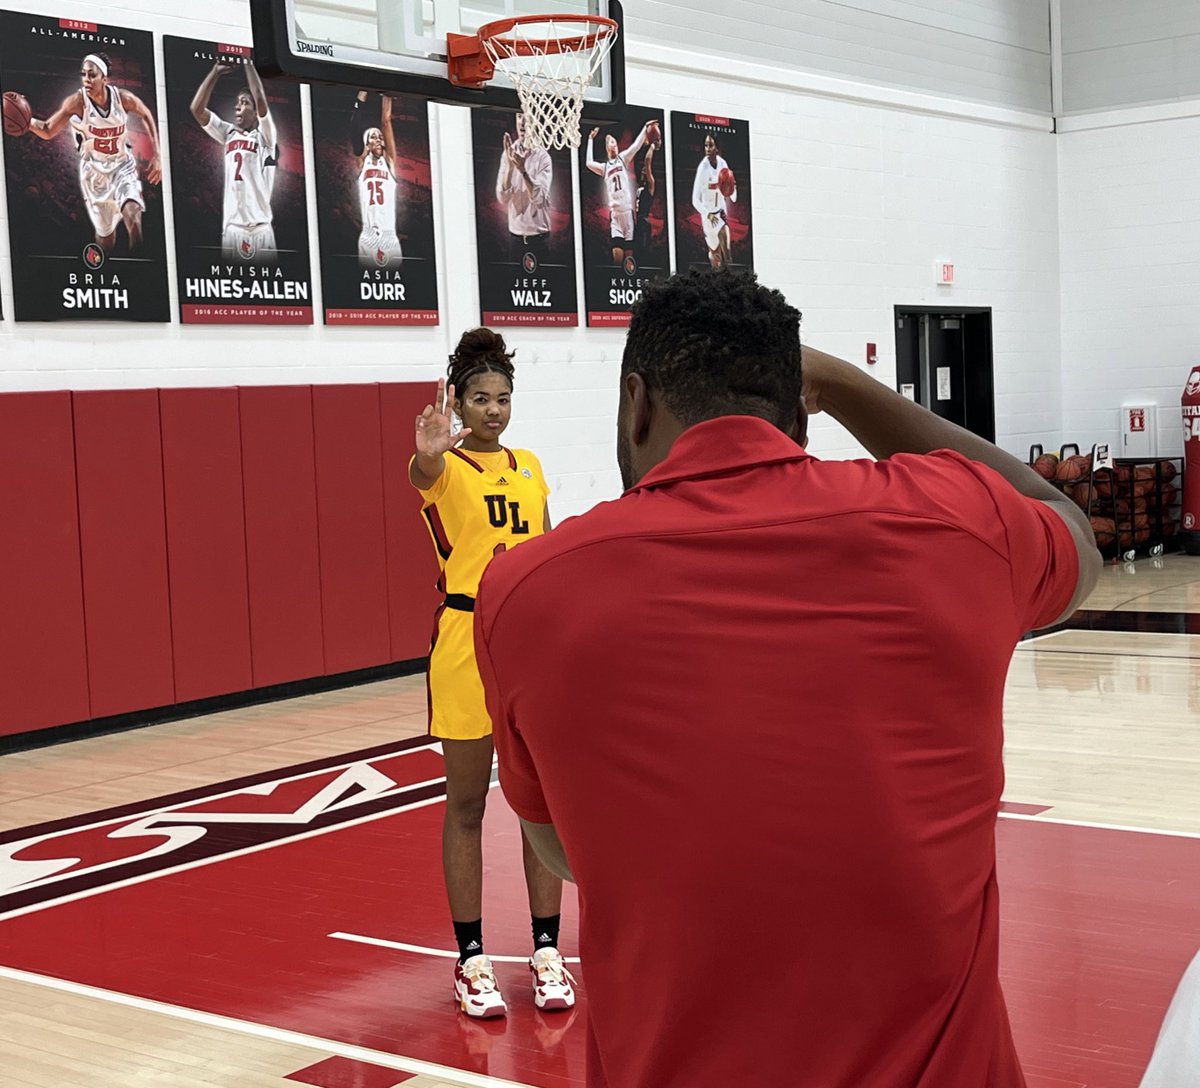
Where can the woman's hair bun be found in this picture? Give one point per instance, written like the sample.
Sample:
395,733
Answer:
479,351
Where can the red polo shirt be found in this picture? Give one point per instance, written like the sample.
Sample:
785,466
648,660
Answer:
759,696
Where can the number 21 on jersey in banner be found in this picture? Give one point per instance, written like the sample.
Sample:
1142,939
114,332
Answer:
241,217
623,209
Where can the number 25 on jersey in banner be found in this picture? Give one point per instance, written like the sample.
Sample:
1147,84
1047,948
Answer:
524,233
83,169
237,169
623,209
374,207
712,187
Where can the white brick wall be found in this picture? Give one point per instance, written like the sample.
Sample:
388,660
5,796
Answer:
1130,214
853,203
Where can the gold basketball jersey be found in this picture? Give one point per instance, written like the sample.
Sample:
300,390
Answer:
481,504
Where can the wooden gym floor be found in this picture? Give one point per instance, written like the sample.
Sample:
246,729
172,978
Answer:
253,898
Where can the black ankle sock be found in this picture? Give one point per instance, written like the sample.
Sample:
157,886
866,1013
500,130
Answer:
545,932
470,939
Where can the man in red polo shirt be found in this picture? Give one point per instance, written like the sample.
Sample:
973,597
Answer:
753,708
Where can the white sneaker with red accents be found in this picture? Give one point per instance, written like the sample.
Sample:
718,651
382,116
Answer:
552,982
475,989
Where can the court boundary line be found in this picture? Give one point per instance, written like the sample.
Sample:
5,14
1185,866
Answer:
262,1031
1026,643
1097,826
425,950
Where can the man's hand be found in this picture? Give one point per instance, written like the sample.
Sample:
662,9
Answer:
514,156
817,368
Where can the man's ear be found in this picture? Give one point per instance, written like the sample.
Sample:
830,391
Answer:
641,407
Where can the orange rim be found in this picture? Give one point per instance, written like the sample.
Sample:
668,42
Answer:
497,32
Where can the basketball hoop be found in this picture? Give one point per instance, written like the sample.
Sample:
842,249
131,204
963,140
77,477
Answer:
549,59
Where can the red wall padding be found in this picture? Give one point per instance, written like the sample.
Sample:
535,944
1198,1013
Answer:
354,592
43,661
161,546
412,568
206,542
123,539
282,555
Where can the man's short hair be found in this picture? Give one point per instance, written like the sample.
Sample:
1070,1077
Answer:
717,343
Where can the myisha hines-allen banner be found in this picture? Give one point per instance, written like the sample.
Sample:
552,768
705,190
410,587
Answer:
83,167
237,179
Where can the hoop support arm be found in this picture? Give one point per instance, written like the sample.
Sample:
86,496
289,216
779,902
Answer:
468,64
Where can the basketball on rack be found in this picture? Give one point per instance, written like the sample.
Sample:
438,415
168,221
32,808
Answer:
726,182
1046,465
654,135
17,114
1105,530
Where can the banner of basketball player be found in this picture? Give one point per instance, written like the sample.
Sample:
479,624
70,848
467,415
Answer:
374,207
623,209
237,179
713,224
83,168
525,235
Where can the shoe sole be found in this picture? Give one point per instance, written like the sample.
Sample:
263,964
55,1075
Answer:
554,1004
486,1014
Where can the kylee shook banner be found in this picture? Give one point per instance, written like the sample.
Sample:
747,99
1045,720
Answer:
623,208
83,169
374,207
237,177
525,236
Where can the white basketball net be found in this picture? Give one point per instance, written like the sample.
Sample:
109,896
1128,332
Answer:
551,64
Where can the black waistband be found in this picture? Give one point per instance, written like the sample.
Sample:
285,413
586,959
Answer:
460,602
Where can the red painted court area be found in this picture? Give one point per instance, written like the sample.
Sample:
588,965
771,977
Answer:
1098,924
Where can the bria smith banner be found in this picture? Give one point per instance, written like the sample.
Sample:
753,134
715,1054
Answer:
711,156
83,169
237,178
525,236
374,207
623,208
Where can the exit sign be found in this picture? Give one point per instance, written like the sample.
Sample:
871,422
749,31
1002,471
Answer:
943,272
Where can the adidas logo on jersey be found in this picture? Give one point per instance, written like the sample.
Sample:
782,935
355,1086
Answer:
503,481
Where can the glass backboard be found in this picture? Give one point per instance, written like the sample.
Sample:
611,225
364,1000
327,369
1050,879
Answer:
400,45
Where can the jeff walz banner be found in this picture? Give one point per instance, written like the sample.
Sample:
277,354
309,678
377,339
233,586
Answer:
237,180
525,234
374,207
713,225
83,168
623,209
